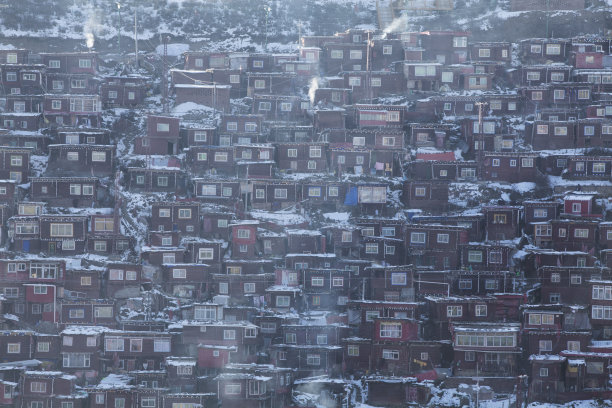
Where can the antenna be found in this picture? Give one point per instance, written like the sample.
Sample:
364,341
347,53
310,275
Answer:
165,74
136,33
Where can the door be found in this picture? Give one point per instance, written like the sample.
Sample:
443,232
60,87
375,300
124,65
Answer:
51,247
26,245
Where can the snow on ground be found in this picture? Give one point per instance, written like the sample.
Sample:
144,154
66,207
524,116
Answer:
573,404
189,107
174,50
337,216
559,181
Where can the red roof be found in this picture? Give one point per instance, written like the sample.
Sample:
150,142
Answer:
444,156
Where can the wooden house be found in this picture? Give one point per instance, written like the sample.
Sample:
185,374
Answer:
123,90
434,245
426,194
493,347
214,96
65,191
71,62
162,136
446,47
176,216
81,160
510,167
72,109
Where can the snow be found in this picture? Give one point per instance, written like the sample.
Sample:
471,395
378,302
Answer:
189,107
339,217
174,50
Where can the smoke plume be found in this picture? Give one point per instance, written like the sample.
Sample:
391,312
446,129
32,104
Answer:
312,88
398,24
92,26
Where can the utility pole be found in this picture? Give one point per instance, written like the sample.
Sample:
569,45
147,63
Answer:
547,15
267,8
119,30
481,106
165,74
136,33
369,73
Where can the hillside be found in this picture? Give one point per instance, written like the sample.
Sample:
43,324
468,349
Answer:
245,24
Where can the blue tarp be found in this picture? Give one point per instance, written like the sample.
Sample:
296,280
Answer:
351,197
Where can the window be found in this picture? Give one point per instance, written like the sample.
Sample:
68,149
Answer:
313,359
13,348
77,83
61,230
583,94
398,278
184,213
265,106
474,256
545,345
559,94
161,346
581,233
420,191
337,54
576,279
391,330
179,273
560,131
283,301
557,76
533,76
543,372
459,42
316,281
43,347
244,233
314,192
481,310
484,53
454,311
491,284
206,253
543,230
355,54
56,104
322,339
527,162
417,237
465,284
38,386
536,95
147,402
390,354
98,156
280,193
371,248
76,313
354,81
389,141
99,399
221,156
75,189
84,63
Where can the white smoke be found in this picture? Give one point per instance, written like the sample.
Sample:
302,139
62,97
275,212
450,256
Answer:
312,88
92,26
398,24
